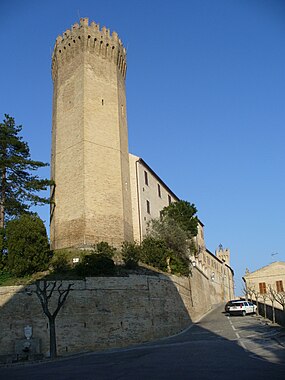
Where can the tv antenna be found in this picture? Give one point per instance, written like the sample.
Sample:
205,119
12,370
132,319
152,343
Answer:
273,254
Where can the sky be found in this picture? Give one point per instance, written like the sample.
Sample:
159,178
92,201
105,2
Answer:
205,103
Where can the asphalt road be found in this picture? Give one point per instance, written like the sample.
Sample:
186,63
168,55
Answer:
218,347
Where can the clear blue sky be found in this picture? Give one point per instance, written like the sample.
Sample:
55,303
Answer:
205,97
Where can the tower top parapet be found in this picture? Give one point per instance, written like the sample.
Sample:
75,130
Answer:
84,37
223,254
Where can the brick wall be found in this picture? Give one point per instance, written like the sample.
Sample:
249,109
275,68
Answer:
109,312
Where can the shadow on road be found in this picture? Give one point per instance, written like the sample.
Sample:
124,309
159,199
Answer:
207,350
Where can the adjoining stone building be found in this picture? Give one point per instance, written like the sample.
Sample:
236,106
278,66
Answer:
271,276
149,195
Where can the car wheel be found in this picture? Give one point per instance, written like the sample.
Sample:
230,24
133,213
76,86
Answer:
243,313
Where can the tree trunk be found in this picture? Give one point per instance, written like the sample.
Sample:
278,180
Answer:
273,313
265,310
52,338
3,198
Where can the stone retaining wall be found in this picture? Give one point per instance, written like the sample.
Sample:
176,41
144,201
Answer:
108,312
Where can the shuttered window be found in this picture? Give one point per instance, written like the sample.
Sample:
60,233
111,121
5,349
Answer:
279,286
262,288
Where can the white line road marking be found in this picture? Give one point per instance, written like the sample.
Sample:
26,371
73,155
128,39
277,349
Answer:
241,343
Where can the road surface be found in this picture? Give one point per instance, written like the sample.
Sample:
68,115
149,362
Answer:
218,347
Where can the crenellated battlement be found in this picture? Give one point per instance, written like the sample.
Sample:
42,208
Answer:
223,254
92,39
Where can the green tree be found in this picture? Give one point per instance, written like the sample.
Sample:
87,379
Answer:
183,213
170,232
3,250
176,228
18,187
28,246
155,252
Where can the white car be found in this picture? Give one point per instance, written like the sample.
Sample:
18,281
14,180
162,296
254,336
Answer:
242,307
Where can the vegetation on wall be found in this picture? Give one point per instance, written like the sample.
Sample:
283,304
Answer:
169,242
131,254
98,261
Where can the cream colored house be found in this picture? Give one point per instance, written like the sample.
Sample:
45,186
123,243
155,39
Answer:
149,195
270,276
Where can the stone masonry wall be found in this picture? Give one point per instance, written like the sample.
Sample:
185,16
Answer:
108,312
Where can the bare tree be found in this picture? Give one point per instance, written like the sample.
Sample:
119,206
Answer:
271,296
248,291
245,292
264,298
279,297
256,296
44,291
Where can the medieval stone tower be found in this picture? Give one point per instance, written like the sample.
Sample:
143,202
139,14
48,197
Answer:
90,162
223,254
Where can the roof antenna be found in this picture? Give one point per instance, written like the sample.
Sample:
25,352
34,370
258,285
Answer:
78,14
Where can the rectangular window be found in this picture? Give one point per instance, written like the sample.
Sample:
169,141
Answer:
262,288
145,178
169,199
158,190
279,286
148,207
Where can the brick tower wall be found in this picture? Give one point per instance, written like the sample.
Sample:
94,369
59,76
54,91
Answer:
90,162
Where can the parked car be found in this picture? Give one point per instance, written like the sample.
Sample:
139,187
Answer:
228,304
242,307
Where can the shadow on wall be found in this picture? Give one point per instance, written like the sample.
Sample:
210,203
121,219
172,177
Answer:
279,314
198,353
99,313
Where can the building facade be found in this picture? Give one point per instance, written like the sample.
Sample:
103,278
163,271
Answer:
149,195
260,282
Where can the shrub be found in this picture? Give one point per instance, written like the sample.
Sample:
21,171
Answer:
131,253
104,249
96,265
60,262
